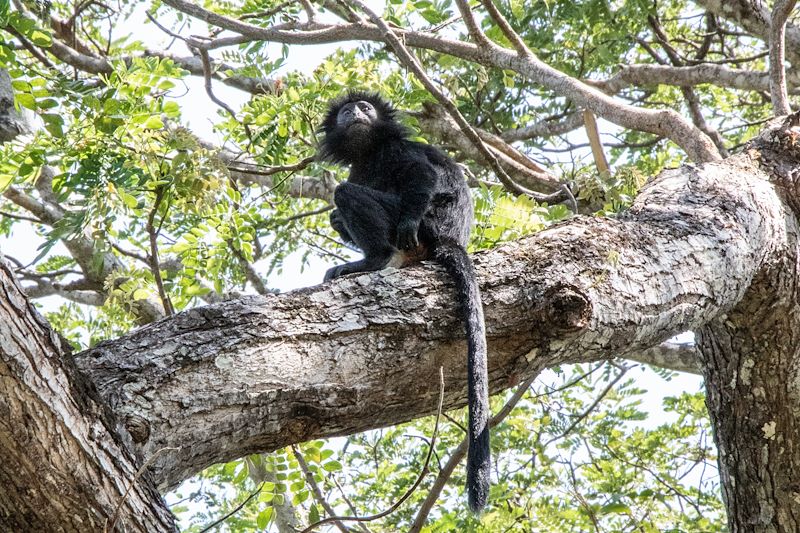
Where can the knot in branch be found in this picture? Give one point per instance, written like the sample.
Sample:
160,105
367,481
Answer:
566,308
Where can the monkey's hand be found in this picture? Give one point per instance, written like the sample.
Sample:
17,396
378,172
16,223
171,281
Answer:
337,223
407,234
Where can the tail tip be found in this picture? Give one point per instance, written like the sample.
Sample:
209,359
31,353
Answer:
478,494
477,502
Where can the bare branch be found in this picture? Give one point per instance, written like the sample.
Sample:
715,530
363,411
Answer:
598,153
664,122
469,20
516,41
682,357
777,56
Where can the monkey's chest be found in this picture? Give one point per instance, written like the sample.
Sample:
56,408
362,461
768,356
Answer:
384,182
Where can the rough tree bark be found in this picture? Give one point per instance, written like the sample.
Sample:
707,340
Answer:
711,248
63,466
751,361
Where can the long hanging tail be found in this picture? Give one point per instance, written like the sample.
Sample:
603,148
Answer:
456,261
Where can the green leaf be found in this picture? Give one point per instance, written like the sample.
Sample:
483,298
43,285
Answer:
313,514
5,181
26,100
141,294
171,109
54,124
300,497
616,508
154,123
128,199
41,38
332,466
264,517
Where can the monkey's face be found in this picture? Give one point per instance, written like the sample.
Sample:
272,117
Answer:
356,115
357,124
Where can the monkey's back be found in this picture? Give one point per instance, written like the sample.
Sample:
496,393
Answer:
450,214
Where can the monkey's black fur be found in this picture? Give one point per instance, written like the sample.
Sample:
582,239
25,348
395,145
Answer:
403,202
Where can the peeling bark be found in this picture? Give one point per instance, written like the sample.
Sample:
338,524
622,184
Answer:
751,359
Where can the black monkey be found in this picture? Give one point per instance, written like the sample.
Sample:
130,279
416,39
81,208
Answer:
403,202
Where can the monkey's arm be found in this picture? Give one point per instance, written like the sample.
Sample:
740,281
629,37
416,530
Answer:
416,185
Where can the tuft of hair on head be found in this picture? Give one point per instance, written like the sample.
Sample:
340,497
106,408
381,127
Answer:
334,146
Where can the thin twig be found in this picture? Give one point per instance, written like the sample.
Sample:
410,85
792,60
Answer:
110,527
458,455
301,461
252,168
20,217
410,491
591,408
234,510
155,268
210,91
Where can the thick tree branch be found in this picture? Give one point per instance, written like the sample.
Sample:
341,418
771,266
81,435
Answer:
44,288
719,75
682,357
362,352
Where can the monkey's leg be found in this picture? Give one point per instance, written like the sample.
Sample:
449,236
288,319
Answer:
370,218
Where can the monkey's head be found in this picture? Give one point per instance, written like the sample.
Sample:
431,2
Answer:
356,124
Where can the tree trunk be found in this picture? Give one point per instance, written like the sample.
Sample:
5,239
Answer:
751,359
63,466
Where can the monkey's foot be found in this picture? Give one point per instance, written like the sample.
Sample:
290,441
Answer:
336,271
